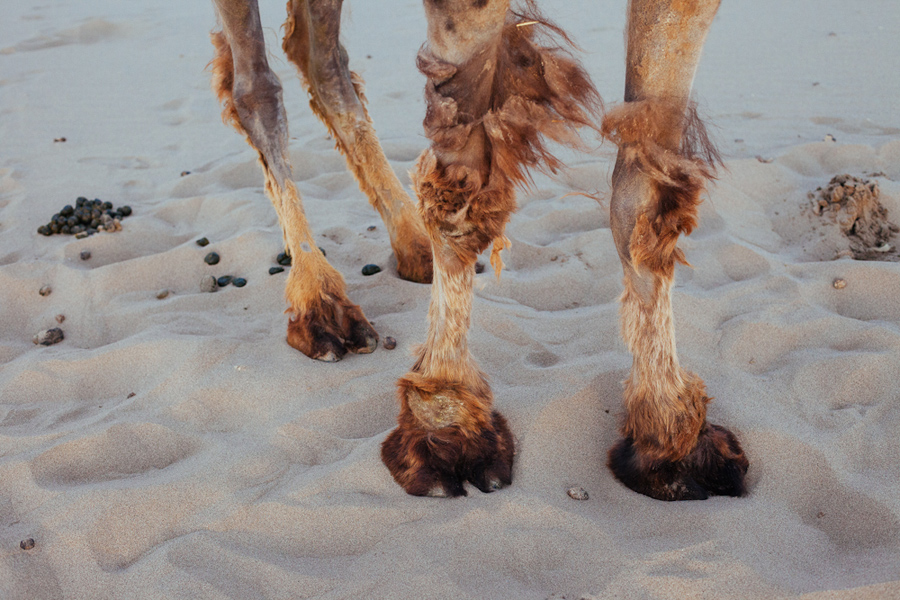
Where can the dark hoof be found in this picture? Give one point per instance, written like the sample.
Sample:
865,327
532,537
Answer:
329,334
716,467
438,462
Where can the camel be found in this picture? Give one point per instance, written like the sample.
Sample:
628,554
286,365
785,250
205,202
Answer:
500,82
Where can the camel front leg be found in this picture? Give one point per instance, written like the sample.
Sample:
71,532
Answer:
492,92
312,43
324,324
669,451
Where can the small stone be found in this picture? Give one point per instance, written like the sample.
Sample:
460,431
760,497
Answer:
203,242
45,291
211,259
184,173
224,280
322,251
162,294
389,343
284,259
371,228
27,544
131,395
839,284
60,318
371,269
80,236
238,282
59,139
85,255
479,267
577,493
48,337
208,284
764,159
125,211
829,138
274,270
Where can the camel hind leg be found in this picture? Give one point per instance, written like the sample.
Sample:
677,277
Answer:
668,450
324,324
336,95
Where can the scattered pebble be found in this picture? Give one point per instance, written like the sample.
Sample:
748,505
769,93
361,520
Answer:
183,173
224,280
479,267
371,269
60,318
322,250
203,242
577,493
284,259
274,270
27,544
48,337
389,343
208,284
764,160
45,291
85,255
162,294
59,139
211,259
839,284
829,138
238,282
371,228
131,395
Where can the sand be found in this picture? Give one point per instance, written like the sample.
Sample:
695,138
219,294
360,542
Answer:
179,448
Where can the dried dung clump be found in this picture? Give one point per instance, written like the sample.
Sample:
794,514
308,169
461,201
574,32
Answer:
853,204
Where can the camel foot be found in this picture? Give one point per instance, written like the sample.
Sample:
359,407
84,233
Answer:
331,331
716,467
414,260
437,462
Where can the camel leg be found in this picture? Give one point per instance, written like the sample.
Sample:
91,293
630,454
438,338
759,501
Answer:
669,451
491,93
324,324
312,43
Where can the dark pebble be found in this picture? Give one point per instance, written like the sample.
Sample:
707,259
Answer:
322,250
67,211
85,255
48,337
274,270
239,282
284,259
203,242
66,229
479,267
371,228
43,230
26,544
224,280
45,291
371,269
389,343
183,173
72,221
106,206
80,201
125,211
211,259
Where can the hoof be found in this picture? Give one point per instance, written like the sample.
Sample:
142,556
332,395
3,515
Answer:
437,462
716,467
332,332
414,263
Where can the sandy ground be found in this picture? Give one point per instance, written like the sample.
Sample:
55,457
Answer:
178,448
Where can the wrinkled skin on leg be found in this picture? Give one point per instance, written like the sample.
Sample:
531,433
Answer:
312,43
493,94
668,450
324,324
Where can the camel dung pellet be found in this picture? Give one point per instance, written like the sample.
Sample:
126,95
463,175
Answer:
48,337
60,318
162,294
27,544
577,493
85,255
238,282
203,242
284,259
45,291
839,284
274,270
371,269
224,280
211,259
389,343
208,284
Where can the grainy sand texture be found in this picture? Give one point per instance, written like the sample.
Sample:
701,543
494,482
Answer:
179,448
